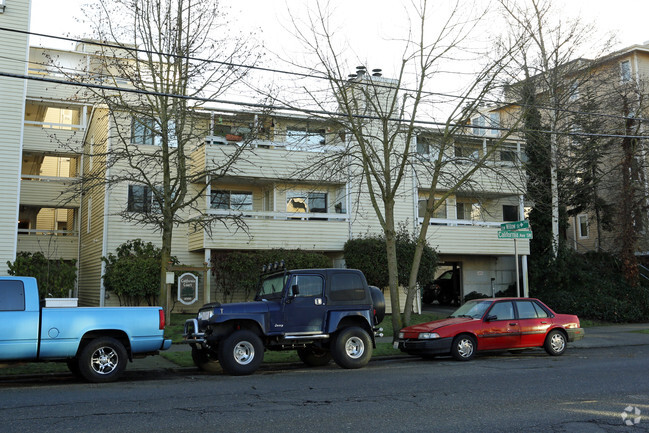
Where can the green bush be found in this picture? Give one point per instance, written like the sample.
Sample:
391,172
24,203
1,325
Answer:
591,286
368,254
134,273
56,278
237,272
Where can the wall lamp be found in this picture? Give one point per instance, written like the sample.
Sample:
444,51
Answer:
2,6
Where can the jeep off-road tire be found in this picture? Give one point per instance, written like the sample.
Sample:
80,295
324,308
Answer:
205,360
241,353
314,356
102,360
352,348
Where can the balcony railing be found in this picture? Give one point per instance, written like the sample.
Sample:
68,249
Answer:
48,191
54,244
263,230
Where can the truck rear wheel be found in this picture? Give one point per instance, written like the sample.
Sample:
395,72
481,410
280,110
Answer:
205,360
314,356
241,353
352,348
102,360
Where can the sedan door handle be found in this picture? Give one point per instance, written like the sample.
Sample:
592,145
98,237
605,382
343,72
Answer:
544,323
513,324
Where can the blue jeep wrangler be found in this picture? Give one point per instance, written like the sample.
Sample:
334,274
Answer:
321,313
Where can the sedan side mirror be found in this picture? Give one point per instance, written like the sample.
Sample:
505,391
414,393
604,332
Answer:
295,289
491,317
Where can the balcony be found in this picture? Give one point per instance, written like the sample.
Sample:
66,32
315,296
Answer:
49,140
54,244
472,238
46,191
263,159
265,230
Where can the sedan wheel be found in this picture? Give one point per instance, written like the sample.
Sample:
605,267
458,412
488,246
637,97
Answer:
464,347
555,343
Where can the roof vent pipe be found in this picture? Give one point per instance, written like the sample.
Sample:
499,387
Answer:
376,72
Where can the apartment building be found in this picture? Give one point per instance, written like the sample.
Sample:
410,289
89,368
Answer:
605,92
52,138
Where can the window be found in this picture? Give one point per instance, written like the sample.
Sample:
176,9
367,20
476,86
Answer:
315,202
468,152
582,226
308,285
502,311
347,287
139,198
625,71
440,212
423,146
234,200
142,131
478,125
526,310
510,213
89,211
574,92
494,122
12,295
304,139
467,210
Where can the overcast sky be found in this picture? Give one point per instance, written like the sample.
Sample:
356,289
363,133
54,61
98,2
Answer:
366,25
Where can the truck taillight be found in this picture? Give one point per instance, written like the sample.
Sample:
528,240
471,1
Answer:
162,319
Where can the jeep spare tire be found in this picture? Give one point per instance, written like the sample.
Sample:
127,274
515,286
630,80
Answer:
378,300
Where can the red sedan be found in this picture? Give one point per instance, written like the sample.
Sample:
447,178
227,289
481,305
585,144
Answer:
492,324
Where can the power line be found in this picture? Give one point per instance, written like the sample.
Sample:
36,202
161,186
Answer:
317,74
299,110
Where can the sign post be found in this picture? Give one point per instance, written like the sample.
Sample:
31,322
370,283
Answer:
514,230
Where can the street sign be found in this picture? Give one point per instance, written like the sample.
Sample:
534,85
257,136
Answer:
525,224
504,234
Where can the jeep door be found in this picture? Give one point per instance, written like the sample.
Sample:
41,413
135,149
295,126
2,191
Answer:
304,306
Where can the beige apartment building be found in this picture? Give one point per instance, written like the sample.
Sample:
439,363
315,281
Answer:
48,139
606,82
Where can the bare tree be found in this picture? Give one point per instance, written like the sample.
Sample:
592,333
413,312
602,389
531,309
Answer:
378,120
153,65
549,59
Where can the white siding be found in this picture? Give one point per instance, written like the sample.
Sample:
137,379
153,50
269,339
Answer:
13,60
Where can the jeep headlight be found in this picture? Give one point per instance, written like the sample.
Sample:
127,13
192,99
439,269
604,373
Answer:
205,315
428,335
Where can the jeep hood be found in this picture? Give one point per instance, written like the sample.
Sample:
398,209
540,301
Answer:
241,308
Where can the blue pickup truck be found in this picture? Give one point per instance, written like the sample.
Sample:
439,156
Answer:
94,342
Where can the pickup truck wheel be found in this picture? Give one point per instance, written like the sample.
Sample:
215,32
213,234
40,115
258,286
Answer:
314,356
205,360
102,360
352,348
241,353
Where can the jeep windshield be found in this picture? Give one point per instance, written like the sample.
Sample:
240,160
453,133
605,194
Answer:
272,286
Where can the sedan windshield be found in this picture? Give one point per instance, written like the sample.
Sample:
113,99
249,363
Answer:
474,309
